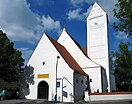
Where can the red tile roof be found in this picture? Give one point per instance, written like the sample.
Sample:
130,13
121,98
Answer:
84,49
67,57
109,93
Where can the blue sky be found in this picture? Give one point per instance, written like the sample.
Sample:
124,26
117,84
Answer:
24,21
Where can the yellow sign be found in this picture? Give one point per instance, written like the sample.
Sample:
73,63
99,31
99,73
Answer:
43,76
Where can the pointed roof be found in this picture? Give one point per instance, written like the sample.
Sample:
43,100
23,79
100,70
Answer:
75,50
96,11
67,57
80,47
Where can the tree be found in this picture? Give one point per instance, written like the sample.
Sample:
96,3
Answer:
123,12
123,67
11,61
26,80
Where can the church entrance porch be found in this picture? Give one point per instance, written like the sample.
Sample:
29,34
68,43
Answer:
43,90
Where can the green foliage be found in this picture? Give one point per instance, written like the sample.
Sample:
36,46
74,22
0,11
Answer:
11,61
123,12
123,65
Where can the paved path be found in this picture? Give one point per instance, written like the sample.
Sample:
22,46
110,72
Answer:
22,101
41,101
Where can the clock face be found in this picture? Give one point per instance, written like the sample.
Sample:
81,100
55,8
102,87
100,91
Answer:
96,22
96,26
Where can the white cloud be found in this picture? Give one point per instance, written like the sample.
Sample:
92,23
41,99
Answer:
85,14
50,25
74,14
121,35
21,24
80,2
107,5
78,14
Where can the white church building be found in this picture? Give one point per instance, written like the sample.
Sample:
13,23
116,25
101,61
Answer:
63,71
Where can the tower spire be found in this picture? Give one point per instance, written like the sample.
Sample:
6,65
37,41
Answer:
97,38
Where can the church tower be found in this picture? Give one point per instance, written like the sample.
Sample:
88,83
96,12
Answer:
97,38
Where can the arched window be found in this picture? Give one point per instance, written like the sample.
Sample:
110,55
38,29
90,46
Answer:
82,81
77,81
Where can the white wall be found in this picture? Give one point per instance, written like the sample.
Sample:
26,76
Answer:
97,38
39,56
74,50
109,97
91,68
46,52
65,76
95,75
80,86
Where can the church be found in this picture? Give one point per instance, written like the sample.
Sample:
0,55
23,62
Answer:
63,70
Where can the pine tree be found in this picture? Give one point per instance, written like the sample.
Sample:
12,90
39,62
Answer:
11,60
123,67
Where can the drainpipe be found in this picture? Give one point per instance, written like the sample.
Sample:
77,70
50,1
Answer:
56,79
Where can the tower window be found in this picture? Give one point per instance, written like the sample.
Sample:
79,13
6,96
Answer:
43,63
86,82
82,81
90,80
77,81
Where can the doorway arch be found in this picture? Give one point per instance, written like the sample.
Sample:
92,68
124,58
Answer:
43,90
